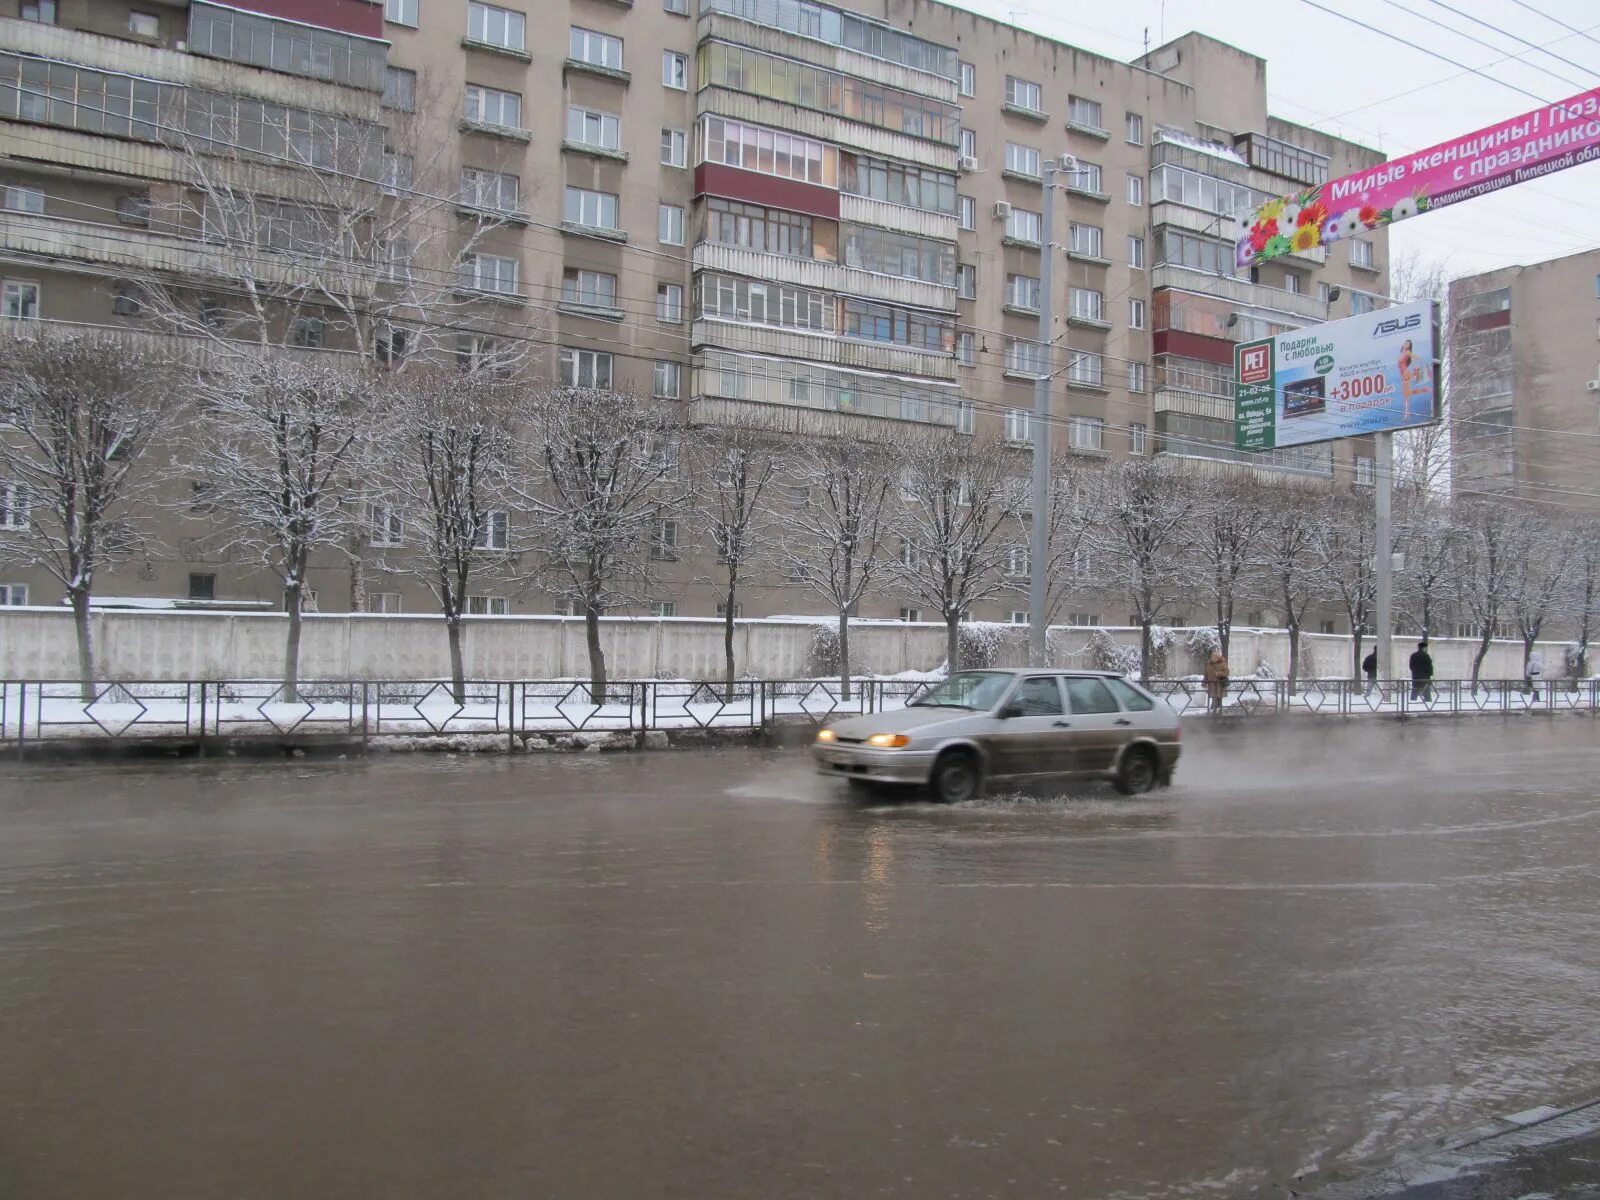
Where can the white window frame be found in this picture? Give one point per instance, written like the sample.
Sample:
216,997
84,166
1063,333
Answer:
1136,252
1087,304
495,532
400,89
493,191
20,199
1086,433
1025,356
967,212
1137,314
491,25
670,224
669,303
13,595
664,541
1088,178
1019,426
383,602
495,273
150,21
582,122
675,70
668,382
1366,471
488,606
14,505
663,608
1133,129
20,300
1023,160
966,281
1087,370
1024,94
1025,225
1080,110
1138,377
401,12
969,143
1093,234
1138,431
1362,253
966,349
593,48
1022,291
969,79
674,147
489,106
591,208
591,289
385,526
585,368
1135,189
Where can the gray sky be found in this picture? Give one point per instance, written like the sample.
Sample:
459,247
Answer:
1325,72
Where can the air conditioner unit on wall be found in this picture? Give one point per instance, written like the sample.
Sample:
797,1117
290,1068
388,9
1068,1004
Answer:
1002,210
969,163
1068,163
1593,385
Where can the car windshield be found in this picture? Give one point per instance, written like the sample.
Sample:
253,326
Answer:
975,690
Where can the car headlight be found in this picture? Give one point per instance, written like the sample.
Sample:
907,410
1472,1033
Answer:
888,741
826,735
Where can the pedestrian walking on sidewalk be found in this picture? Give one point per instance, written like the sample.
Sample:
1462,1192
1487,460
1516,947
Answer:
1369,668
1216,676
1532,671
1421,673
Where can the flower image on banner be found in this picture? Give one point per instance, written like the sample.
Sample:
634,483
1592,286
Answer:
1531,146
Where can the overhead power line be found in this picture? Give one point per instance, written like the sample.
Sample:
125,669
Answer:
1517,37
1555,20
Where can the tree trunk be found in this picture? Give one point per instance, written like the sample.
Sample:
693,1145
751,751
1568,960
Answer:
458,671
85,630
1427,613
1483,653
597,655
1355,636
1293,629
291,651
1144,649
844,654
727,645
952,642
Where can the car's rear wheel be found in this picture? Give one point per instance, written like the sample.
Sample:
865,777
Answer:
957,777
1138,772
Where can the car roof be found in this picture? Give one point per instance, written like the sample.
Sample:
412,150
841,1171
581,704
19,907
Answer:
1075,671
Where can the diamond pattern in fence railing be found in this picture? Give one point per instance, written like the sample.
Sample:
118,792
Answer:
114,708
284,715
1480,698
438,706
1318,697
577,708
1251,699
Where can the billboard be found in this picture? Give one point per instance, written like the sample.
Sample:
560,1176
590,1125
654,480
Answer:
1530,146
1368,374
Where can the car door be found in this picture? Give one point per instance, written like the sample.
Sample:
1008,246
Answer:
1098,725
1032,742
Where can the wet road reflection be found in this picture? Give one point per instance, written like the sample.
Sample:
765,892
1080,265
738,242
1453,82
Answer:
714,975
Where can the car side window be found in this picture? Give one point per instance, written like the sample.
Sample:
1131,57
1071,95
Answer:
1089,696
1132,698
1038,696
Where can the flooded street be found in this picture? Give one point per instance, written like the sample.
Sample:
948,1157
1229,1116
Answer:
715,975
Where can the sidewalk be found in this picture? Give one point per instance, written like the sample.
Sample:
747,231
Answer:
1544,1153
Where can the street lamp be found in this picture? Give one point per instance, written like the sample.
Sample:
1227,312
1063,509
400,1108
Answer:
1039,533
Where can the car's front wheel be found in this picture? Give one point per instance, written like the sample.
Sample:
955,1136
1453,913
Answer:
957,777
1138,772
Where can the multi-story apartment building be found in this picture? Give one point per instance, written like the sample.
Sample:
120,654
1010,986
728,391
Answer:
778,213
1524,374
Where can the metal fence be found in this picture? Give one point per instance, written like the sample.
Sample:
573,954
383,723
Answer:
198,712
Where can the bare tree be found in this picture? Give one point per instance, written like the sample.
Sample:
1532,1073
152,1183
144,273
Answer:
1345,551
832,540
609,493
442,470
1541,574
1427,531
272,447
1075,492
961,537
1484,564
77,415
1422,455
1585,595
1289,560
1228,530
737,470
1145,537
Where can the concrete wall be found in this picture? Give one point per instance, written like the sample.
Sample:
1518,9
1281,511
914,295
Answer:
37,643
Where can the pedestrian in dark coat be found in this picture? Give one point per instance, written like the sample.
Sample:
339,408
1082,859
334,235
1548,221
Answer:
1421,672
1369,668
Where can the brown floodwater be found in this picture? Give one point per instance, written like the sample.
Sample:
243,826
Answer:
712,974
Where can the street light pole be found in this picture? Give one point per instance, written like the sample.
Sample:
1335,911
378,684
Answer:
1383,542
1039,533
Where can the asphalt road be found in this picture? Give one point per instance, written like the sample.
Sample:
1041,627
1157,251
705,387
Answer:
713,974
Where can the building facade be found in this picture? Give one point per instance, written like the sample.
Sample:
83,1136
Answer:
779,214
1524,372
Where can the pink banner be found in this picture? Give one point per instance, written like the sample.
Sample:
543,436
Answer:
1536,144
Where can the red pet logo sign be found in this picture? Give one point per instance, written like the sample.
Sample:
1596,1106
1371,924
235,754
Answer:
1255,364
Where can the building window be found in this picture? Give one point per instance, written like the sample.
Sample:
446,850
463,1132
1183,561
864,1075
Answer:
591,289
674,70
664,608
1022,291
670,225
1085,114
1087,240
400,89
24,199
13,505
969,79
490,106
668,380
602,130
496,26
399,172
664,542
967,281
674,148
676,7
1136,190
966,349
1024,225
495,531
592,210
1026,357
19,300
489,273
400,12
202,586
1088,304
722,611
1292,283
495,191
1022,160
1087,370
585,368
42,11
730,223
1325,293
384,526
1137,376
898,183
769,152
1133,129
1136,436
1020,93
1136,314
14,595
967,210
1019,426
1361,303
488,606
1087,178
669,303
596,49
143,24
877,322
1366,471
134,209
382,602
306,332
1086,433
1361,254
1136,252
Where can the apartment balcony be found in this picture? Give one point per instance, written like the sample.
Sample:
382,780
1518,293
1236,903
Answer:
826,127
827,348
725,27
55,242
1302,309
1194,404
823,276
798,420
188,70
898,217
187,351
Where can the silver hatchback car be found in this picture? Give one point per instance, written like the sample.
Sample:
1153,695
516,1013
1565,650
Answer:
1021,725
